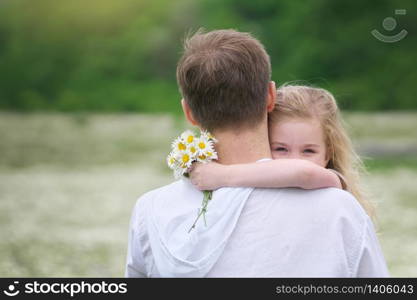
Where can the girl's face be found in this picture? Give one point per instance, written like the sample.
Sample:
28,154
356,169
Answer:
298,138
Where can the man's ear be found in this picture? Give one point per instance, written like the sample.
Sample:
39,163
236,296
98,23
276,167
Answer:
188,113
272,96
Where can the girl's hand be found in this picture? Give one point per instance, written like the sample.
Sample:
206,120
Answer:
208,176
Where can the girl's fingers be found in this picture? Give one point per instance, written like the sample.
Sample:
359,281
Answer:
191,169
194,166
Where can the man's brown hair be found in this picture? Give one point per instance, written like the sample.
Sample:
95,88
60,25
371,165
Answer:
223,76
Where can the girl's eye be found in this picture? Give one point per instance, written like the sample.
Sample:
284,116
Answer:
309,151
281,149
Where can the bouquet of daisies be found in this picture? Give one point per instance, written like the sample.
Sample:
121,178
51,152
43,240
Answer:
189,148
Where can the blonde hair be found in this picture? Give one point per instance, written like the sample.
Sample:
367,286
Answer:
297,101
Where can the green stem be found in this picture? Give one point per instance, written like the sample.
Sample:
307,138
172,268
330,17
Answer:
207,197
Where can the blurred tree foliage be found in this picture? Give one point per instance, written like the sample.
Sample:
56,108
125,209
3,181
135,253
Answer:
120,55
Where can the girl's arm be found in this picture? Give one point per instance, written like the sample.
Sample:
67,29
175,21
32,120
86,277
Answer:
277,173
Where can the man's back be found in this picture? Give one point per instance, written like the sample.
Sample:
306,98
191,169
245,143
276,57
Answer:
259,233
299,233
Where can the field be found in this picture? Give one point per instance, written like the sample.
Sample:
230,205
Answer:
68,183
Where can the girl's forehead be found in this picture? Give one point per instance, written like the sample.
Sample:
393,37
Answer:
297,129
293,123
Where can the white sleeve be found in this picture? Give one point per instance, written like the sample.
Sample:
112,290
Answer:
371,262
135,264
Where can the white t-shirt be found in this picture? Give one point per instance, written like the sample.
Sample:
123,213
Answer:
252,233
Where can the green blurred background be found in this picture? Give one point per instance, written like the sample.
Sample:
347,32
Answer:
89,106
108,55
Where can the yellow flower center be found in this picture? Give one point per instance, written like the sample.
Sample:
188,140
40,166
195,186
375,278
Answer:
201,145
172,160
185,158
209,153
190,139
193,149
202,156
181,146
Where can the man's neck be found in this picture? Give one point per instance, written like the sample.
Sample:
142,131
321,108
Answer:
242,146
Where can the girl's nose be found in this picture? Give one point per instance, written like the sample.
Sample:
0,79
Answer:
294,155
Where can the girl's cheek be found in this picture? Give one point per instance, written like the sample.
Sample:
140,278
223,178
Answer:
317,159
321,161
276,155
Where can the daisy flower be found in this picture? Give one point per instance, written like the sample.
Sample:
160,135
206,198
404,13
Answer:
208,136
185,159
186,149
172,161
203,145
193,149
179,144
188,137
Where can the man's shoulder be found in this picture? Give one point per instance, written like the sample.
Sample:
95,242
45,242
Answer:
339,202
338,209
324,194
165,189
176,194
168,187
326,202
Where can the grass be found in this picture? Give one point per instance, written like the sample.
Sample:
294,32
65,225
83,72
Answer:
389,127
60,222
389,163
68,183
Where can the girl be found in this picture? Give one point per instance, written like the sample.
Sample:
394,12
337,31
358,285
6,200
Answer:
309,146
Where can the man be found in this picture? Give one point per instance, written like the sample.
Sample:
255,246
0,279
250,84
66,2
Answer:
224,78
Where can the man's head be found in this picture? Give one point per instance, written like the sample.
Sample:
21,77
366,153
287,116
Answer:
224,77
